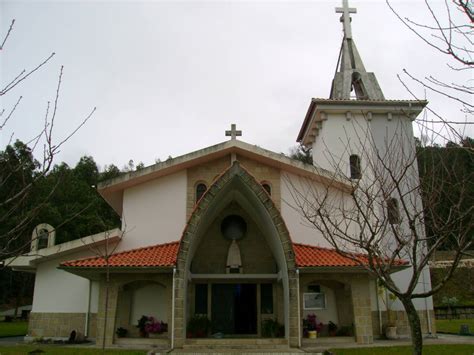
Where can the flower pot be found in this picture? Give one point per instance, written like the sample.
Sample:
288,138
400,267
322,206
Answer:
312,334
391,333
154,335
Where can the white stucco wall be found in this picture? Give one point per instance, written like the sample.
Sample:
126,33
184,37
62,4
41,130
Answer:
94,297
337,139
154,212
300,229
58,291
394,142
149,300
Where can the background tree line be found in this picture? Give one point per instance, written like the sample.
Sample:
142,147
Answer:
66,198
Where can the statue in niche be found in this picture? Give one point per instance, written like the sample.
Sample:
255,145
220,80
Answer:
233,228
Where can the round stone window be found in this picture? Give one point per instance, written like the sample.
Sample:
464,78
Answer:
233,227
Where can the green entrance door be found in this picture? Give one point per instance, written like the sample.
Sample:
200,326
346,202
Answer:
234,308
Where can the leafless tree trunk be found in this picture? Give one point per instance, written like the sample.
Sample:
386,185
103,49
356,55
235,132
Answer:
105,253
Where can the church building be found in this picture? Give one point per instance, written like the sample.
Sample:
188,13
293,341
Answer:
214,249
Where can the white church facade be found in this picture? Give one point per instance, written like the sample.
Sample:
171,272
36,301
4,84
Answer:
214,246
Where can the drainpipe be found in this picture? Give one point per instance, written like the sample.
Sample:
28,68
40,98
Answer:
299,311
172,309
378,307
428,318
86,326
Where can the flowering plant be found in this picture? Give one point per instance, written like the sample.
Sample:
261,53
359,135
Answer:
312,324
149,325
153,326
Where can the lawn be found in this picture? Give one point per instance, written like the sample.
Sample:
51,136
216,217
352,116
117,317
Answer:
10,329
452,325
60,350
457,349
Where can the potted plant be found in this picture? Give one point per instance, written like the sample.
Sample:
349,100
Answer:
332,329
154,327
272,329
198,327
141,326
388,298
149,326
121,332
312,326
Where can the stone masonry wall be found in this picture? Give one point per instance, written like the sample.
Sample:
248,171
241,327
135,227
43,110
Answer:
108,321
208,172
60,324
211,255
401,320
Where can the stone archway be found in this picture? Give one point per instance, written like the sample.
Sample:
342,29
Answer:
237,184
141,297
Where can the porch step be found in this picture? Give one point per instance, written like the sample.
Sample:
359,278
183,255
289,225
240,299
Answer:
233,351
134,342
322,341
230,343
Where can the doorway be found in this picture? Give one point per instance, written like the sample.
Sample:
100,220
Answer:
234,308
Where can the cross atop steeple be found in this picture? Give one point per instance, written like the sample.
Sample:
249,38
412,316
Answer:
352,81
233,133
345,10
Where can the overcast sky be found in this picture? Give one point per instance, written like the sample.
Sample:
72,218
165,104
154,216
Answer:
169,78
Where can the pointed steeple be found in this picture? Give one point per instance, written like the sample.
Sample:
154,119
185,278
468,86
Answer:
351,74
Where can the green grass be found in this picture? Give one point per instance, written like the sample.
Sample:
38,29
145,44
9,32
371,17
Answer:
10,329
457,349
452,325
59,350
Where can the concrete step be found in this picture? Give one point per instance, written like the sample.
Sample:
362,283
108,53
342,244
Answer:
232,351
231,343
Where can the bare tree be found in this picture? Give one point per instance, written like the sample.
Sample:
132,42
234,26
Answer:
18,180
449,31
386,207
104,252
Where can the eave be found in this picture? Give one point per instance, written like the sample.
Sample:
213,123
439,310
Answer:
112,190
95,273
344,269
28,262
409,108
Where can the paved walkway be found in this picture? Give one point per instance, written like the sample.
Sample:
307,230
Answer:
439,339
11,340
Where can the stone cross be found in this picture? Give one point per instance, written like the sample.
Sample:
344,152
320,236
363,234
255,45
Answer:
345,10
233,133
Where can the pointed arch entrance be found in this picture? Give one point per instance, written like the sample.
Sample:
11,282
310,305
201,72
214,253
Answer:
236,185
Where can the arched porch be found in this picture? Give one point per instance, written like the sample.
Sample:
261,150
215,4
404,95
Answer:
203,279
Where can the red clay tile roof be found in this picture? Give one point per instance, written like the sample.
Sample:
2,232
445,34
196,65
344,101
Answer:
312,256
164,255
160,255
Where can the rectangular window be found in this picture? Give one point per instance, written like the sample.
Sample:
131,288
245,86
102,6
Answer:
314,300
393,211
266,298
354,162
200,299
